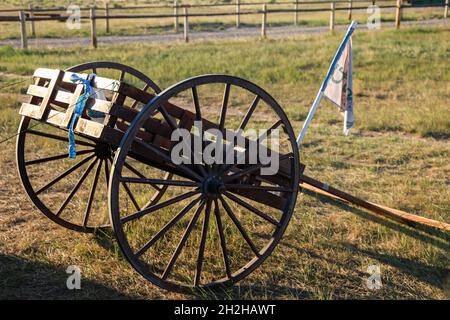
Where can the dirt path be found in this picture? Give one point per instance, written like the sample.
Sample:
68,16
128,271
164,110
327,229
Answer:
231,33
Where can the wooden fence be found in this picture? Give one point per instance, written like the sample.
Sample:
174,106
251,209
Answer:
34,14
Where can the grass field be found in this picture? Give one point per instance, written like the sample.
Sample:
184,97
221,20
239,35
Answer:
397,155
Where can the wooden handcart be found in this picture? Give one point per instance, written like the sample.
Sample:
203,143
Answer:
181,226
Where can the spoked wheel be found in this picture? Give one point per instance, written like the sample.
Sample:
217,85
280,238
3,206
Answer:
70,192
217,222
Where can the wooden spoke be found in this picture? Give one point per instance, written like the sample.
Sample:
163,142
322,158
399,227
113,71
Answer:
226,260
64,174
245,171
223,110
183,241
169,119
166,157
122,75
160,181
76,187
242,126
252,209
249,113
198,113
169,225
127,189
146,86
57,157
254,187
226,167
268,132
158,206
56,137
92,194
130,195
198,117
201,248
107,172
136,172
239,226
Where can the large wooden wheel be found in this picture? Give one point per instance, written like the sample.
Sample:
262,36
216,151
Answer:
72,193
217,222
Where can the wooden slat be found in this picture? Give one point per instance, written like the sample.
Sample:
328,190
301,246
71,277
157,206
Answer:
264,197
97,130
61,96
99,82
46,73
50,93
89,127
29,110
55,118
71,105
100,105
118,98
145,97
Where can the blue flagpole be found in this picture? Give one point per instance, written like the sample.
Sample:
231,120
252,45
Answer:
350,30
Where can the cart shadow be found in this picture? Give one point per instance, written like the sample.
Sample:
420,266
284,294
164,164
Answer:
432,275
354,273
21,278
437,238
244,292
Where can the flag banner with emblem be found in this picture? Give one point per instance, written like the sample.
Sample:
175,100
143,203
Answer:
339,88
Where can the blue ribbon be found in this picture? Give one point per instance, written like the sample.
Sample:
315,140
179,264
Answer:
78,110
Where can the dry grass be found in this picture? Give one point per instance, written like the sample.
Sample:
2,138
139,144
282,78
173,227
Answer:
397,155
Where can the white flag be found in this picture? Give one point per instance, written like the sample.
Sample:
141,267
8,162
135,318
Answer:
339,88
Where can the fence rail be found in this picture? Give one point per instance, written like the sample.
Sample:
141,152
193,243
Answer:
34,14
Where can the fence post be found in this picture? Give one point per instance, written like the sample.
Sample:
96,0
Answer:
186,25
107,16
446,9
264,21
332,14
93,29
350,6
175,15
23,30
238,13
398,14
32,26
296,13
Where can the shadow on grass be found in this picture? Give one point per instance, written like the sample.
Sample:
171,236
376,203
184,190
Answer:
432,275
356,276
248,292
25,279
436,238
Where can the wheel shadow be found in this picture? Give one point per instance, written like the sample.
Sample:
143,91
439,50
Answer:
25,279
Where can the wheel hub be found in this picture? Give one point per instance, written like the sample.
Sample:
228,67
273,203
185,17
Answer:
103,151
213,186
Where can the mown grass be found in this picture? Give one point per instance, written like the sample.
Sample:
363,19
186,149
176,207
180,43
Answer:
397,155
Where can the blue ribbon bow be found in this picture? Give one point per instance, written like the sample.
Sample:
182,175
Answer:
78,110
